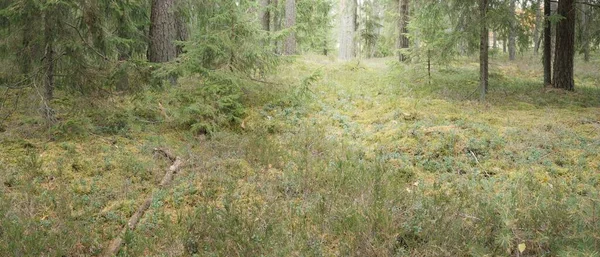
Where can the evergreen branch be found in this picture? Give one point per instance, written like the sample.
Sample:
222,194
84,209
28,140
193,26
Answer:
85,41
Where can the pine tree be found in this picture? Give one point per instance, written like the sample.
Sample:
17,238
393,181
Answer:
565,46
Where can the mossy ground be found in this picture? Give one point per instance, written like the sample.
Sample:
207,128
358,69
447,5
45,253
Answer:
366,158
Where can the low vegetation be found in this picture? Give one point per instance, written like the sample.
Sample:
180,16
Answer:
365,158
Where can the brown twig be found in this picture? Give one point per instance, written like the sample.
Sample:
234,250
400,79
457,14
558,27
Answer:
115,244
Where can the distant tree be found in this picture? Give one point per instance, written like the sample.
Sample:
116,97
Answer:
290,23
565,46
512,31
264,14
483,49
348,20
403,41
539,24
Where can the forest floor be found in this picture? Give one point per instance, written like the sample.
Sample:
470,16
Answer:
364,158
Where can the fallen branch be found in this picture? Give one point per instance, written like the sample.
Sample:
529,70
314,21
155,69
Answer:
115,244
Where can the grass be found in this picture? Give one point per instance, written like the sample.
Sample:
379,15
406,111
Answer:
364,158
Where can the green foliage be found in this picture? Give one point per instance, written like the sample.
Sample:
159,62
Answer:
223,58
314,26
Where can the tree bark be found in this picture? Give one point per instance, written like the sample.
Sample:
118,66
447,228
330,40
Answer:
403,42
512,34
565,46
163,31
290,22
26,54
538,25
347,29
547,43
264,15
585,26
483,50
49,23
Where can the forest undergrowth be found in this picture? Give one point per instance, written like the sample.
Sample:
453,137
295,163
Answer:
364,158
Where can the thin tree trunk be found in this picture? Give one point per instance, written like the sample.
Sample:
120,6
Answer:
565,46
290,22
26,54
512,34
585,26
264,14
163,31
403,41
49,23
483,50
49,64
277,23
538,25
495,40
547,43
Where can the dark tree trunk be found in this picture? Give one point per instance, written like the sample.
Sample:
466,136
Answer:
403,42
547,43
512,33
49,23
483,50
264,14
49,63
565,46
163,31
29,28
290,22
182,31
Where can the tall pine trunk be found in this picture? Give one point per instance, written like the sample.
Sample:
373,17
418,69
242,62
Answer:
403,42
565,46
547,43
290,22
347,29
163,31
483,50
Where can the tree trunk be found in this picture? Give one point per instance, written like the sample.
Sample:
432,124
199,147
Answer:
277,24
538,25
495,40
403,41
483,50
183,33
50,20
585,27
565,46
264,15
29,28
347,29
163,31
547,43
49,23
512,34
290,22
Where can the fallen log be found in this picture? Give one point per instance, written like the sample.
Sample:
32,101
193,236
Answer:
115,244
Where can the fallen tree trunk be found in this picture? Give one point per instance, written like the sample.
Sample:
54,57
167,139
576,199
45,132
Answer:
115,244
